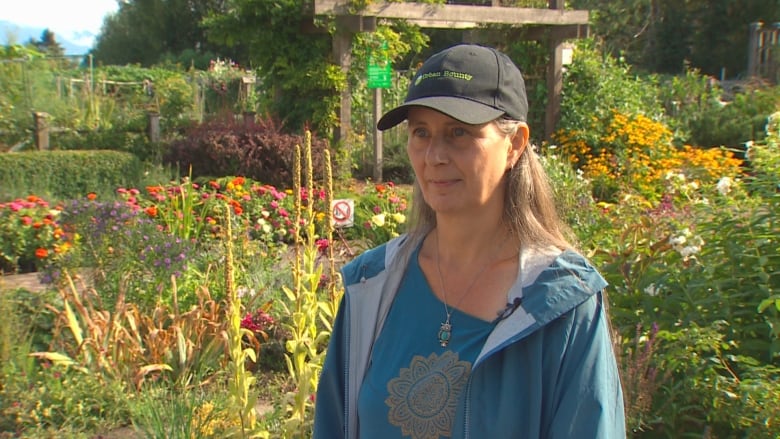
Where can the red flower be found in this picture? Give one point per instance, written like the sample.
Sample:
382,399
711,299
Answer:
322,245
151,211
91,196
41,253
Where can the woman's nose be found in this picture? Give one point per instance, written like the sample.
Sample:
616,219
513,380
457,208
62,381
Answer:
436,153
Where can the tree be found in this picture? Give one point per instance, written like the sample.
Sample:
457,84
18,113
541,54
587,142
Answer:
668,36
48,44
148,31
293,53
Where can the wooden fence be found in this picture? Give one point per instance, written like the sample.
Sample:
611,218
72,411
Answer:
42,129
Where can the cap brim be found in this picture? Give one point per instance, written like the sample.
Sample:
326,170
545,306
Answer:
464,110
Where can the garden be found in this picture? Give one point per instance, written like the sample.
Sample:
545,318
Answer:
189,284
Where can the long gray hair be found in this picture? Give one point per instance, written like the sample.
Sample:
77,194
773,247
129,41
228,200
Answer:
530,212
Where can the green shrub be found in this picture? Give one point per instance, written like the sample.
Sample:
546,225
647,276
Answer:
596,85
63,175
707,390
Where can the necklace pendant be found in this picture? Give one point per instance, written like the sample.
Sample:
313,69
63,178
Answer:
445,333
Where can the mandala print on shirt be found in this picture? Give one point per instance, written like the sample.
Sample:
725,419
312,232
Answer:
424,396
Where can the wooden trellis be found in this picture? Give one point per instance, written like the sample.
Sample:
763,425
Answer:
553,25
763,58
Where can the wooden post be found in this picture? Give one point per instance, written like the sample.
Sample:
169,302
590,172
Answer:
153,126
754,48
378,159
552,114
342,52
41,127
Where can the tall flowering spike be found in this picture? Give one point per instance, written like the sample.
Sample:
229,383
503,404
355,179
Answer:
329,223
231,292
297,223
309,187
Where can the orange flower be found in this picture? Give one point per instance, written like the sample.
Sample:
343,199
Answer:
41,253
151,211
380,188
238,181
91,196
154,189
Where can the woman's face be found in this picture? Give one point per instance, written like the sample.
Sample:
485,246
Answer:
459,167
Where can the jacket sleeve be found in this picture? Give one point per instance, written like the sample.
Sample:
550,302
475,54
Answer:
329,408
588,395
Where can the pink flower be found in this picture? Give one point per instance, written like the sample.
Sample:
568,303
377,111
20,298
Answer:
322,245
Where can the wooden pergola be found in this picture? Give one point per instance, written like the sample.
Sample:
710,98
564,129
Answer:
553,26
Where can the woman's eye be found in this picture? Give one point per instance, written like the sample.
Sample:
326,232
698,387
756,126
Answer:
419,132
458,131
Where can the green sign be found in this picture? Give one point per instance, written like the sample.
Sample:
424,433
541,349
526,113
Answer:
380,71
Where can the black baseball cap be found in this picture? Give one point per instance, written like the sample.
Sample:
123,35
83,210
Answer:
470,83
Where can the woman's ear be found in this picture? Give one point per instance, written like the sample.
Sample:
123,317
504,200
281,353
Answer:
519,143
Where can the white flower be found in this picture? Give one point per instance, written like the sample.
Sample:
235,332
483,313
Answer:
245,292
724,185
651,290
677,241
688,251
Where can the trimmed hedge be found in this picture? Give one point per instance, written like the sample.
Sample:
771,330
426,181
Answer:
61,175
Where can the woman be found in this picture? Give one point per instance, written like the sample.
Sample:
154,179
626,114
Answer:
482,321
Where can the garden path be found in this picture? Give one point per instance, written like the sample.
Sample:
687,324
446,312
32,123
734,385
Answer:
28,281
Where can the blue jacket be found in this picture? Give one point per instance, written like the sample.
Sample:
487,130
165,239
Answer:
546,371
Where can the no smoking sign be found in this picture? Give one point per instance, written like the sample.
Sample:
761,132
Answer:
342,213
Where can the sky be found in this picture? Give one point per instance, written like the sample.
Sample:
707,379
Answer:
78,21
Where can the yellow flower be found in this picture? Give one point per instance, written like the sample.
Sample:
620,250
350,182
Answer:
399,218
378,220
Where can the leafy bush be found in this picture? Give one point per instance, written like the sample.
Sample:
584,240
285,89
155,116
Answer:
259,150
62,175
596,86
127,252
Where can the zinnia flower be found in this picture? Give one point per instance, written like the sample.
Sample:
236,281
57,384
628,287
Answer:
41,253
378,220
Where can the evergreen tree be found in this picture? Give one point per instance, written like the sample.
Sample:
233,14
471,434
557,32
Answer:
48,44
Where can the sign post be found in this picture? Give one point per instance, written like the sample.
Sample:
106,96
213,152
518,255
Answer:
380,73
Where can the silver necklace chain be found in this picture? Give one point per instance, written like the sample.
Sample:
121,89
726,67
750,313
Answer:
445,330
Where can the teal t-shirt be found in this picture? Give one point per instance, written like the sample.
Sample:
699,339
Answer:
412,386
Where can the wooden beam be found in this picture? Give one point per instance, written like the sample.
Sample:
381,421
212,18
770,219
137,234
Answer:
455,13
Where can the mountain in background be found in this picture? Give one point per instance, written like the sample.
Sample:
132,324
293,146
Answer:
78,43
